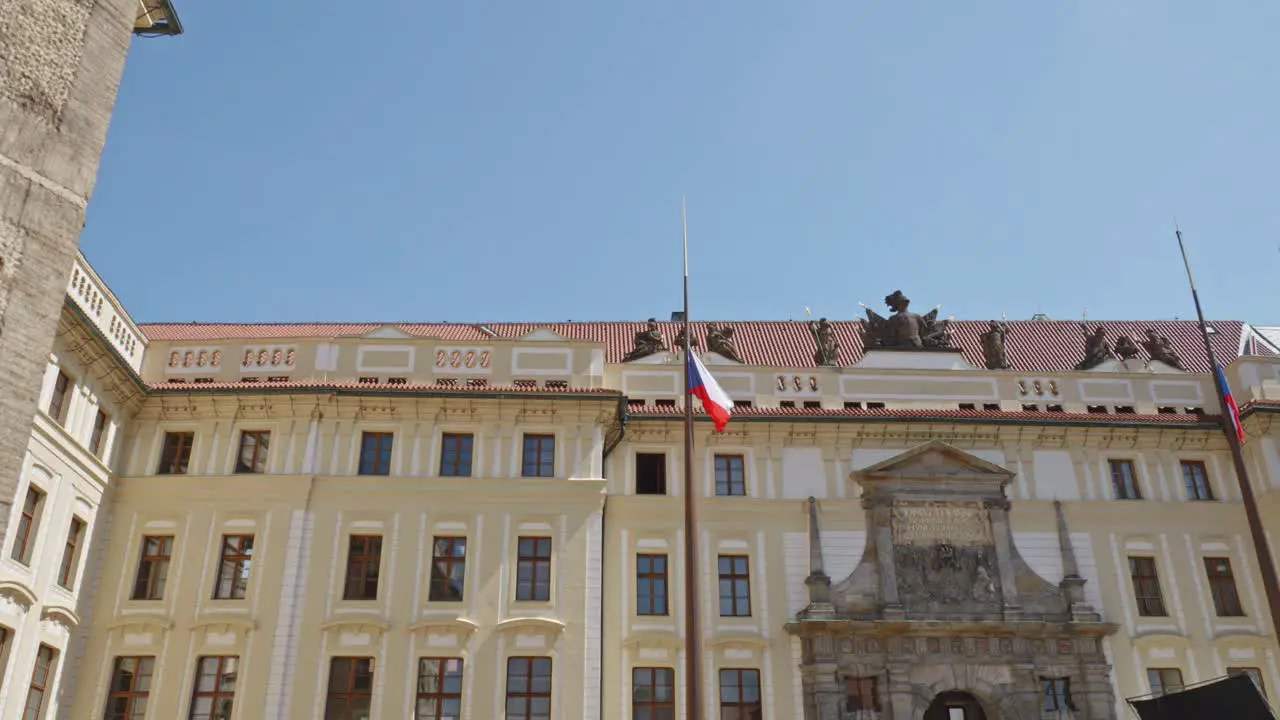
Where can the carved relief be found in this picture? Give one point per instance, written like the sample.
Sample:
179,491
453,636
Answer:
193,359
273,357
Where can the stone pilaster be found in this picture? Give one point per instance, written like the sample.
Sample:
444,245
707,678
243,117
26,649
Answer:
998,511
881,511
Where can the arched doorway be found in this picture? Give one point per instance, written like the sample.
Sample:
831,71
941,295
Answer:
955,705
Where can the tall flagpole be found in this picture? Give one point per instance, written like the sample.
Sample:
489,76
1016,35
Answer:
1260,546
693,644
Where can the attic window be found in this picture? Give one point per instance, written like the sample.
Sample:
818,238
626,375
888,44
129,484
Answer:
477,382
1167,410
250,379
813,404
447,382
1124,409
278,378
787,404
875,406
177,380
994,407
1194,410
852,405
556,384
742,403
1030,407
397,381
1053,408
1097,409
527,384
968,406
368,381
203,381
631,402
664,402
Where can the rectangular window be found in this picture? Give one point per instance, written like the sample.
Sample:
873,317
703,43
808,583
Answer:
375,453
350,692
735,586
439,689
651,474
58,402
252,457
455,454
234,566
740,695
539,459
41,676
130,688
528,688
214,694
1196,479
731,476
653,693
364,558
71,554
651,584
1055,694
153,567
1146,587
448,569
1124,481
1253,674
533,569
1222,585
175,455
1164,680
24,541
99,432
860,695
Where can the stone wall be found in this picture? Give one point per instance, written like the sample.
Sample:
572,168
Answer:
60,68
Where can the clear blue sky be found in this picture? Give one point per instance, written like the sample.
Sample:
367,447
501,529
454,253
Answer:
476,160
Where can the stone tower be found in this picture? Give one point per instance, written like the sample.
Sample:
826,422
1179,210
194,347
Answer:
60,67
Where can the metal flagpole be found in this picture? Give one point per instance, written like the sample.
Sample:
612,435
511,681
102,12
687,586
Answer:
693,646
1260,546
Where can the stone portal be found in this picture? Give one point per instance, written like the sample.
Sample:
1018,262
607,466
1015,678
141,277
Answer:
942,607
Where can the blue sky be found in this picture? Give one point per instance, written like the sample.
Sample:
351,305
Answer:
475,160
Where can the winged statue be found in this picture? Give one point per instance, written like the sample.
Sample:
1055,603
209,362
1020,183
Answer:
905,329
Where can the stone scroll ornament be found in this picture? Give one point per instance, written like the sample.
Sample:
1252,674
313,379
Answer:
905,329
647,342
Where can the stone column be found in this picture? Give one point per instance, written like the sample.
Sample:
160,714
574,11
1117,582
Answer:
58,83
998,510
821,675
880,515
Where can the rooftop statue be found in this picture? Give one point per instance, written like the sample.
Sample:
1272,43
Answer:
905,329
828,353
1097,349
993,346
1126,348
693,341
1158,348
648,342
720,340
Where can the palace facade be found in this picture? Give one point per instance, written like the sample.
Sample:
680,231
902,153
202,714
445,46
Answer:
906,518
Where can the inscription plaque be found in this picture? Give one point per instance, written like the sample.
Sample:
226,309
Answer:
938,523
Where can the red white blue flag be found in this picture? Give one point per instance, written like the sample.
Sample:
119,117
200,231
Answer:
1232,410
704,387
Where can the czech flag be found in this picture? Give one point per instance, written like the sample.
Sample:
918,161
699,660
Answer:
1232,410
704,387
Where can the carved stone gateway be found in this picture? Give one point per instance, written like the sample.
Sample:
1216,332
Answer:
942,606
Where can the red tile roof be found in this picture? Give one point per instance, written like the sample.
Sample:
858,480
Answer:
926,415
1032,346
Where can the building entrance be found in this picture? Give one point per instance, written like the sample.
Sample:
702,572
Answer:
955,705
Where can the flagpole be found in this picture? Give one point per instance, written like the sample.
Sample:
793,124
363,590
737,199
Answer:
693,644
1260,546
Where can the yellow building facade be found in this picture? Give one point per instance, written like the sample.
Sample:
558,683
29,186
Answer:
486,521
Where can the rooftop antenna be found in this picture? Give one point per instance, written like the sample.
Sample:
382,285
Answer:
807,312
